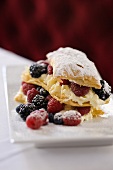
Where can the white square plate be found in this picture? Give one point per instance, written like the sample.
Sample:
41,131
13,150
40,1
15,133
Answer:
98,131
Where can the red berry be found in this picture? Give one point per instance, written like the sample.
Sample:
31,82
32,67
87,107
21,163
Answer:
43,113
31,94
71,118
83,110
64,82
79,90
48,97
54,106
26,87
50,69
23,82
34,121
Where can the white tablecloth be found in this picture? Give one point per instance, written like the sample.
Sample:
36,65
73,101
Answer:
27,157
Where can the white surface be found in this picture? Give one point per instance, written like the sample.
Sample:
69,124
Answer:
27,157
93,132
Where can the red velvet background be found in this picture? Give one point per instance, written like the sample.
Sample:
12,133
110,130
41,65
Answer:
32,28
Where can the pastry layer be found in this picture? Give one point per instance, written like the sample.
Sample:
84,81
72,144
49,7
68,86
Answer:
62,93
74,65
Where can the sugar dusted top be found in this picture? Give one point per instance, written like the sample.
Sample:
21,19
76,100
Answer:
72,61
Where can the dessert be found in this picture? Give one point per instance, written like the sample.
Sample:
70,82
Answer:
66,85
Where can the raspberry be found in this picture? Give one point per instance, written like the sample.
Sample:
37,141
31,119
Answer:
26,87
54,106
79,90
58,119
83,110
48,97
44,115
23,82
37,69
105,90
34,121
64,82
43,92
39,101
26,109
31,94
71,118
50,69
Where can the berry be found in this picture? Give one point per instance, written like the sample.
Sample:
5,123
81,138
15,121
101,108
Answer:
44,115
34,121
54,106
18,108
48,97
50,69
26,87
31,94
79,90
43,92
64,82
104,92
37,69
23,82
26,109
58,119
83,110
71,118
38,88
51,117
39,101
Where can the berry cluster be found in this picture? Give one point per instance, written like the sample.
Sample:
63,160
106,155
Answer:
39,103
43,108
104,92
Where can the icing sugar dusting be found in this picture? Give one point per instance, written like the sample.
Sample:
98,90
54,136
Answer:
108,108
107,87
72,60
72,114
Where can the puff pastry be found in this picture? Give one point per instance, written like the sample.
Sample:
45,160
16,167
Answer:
72,65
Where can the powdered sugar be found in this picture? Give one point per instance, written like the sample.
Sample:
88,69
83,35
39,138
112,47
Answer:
72,114
107,88
72,60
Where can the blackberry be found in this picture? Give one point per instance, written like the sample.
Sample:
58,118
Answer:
38,88
39,101
104,92
51,117
37,69
18,108
26,109
58,119
44,92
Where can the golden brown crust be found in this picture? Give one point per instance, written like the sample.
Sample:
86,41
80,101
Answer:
74,65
